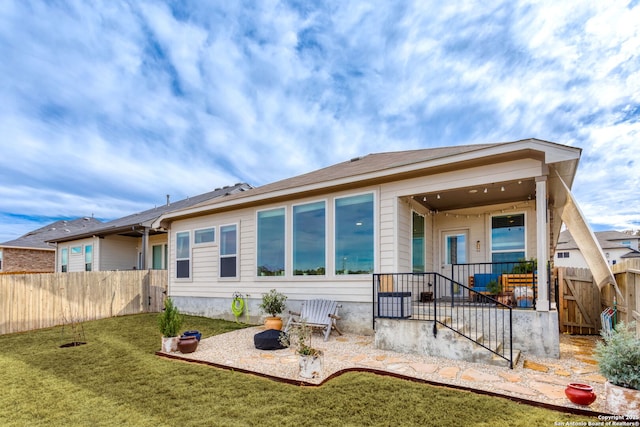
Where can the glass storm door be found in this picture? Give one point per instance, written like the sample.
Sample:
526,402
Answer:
455,247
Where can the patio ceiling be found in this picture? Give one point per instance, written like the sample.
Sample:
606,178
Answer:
480,195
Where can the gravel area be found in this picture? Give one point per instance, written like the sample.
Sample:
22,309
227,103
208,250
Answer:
533,378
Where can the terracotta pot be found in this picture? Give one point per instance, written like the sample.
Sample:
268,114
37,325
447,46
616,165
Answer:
580,394
273,323
187,344
622,401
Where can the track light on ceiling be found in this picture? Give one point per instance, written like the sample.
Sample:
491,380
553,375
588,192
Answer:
438,196
485,190
502,188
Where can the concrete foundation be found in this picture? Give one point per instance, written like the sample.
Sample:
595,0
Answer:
535,333
355,318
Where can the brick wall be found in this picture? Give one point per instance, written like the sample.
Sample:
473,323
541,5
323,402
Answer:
27,260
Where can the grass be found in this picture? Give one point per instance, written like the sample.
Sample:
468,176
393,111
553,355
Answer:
116,380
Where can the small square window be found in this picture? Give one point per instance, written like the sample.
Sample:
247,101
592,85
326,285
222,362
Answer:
76,250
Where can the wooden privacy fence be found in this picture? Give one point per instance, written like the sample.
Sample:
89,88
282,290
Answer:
581,302
34,301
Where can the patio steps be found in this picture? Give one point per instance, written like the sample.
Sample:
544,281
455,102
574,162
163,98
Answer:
477,352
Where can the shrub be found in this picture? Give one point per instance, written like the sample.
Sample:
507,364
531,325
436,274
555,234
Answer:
619,356
170,320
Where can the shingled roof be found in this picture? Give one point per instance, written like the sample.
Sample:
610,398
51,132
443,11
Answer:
37,239
145,218
367,169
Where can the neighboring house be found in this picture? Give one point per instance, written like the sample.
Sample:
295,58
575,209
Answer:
130,242
615,245
327,233
31,252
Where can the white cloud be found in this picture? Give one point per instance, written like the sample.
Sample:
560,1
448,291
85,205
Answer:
111,106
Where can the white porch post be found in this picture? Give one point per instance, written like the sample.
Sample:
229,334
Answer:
542,233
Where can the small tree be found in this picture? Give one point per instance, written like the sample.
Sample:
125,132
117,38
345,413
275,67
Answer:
170,320
273,303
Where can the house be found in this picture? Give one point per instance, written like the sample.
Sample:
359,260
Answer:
437,214
616,245
130,242
32,254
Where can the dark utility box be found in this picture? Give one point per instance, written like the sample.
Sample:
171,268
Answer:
394,304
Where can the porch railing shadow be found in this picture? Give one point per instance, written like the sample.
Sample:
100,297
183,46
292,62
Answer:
471,314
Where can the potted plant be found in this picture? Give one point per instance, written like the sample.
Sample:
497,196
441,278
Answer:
298,338
273,303
494,288
169,321
619,361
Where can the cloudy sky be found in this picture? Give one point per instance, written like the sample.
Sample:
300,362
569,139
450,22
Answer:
106,107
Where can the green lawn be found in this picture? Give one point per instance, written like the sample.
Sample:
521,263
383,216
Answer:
116,380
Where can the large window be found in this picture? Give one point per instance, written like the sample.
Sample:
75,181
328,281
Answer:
417,243
64,260
228,251
507,238
309,239
183,255
354,233
271,238
88,257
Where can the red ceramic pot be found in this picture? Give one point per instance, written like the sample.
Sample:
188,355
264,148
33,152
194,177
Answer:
580,394
187,344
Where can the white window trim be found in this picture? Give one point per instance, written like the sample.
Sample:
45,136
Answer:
376,249
237,254
190,258
526,237
327,256
215,236
287,250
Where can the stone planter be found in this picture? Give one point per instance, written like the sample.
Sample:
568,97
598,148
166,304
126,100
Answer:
622,401
170,344
310,366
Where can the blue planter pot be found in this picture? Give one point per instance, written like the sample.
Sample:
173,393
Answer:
196,334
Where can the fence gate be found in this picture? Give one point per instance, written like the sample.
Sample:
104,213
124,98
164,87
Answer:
154,289
579,308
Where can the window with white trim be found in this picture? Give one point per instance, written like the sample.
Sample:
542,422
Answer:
354,234
271,242
229,250
64,260
309,239
183,255
508,238
204,235
88,257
